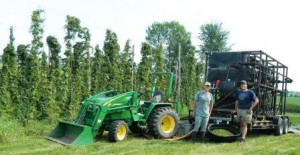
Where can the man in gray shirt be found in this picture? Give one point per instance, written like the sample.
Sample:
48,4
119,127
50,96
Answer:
202,108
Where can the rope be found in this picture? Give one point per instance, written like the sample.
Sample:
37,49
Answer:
180,137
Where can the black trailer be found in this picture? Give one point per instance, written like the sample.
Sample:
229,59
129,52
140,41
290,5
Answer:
266,76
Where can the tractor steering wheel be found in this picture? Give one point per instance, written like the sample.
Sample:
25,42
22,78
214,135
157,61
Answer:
140,94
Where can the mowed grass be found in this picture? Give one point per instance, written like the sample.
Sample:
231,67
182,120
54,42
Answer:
262,143
31,141
259,142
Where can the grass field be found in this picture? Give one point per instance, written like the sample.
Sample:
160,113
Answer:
258,144
294,118
14,139
293,110
293,104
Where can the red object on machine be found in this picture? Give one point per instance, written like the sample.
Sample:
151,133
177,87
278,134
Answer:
218,83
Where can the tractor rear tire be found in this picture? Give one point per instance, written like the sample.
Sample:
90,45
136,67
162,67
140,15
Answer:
278,121
163,122
118,131
286,124
134,128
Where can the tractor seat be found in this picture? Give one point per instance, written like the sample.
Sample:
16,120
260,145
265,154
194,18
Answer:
157,96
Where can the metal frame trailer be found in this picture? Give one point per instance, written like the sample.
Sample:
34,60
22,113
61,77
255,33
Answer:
266,76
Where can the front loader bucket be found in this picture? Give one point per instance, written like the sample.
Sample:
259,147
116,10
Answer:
67,133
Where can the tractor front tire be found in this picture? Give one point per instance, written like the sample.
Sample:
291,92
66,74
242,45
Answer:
118,131
163,122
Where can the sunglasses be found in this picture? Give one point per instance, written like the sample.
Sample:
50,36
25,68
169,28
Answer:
207,86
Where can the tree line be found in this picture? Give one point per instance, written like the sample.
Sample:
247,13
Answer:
41,84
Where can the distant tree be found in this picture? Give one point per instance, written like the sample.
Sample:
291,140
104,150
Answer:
199,74
23,108
135,66
46,104
13,69
77,65
54,60
214,38
126,67
8,74
189,85
144,70
158,62
97,74
169,35
35,70
158,59
73,29
172,36
58,84
86,64
5,96
112,80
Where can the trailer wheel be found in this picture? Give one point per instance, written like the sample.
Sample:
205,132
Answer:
286,124
163,122
117,131
279,125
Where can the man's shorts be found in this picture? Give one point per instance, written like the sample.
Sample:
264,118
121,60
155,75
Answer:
243,116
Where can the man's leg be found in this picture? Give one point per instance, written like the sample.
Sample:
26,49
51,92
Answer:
203,127
243,118
196,128
243,126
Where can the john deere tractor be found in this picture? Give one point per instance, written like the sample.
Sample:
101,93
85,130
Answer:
118,112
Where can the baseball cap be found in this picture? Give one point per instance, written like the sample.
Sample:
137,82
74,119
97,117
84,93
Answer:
243,81
207,84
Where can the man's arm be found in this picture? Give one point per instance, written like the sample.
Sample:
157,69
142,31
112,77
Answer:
194,107
210,107
254,104
236,102
236,106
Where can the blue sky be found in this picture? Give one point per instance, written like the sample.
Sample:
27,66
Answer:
269,25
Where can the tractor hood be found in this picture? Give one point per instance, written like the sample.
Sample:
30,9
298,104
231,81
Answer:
110,98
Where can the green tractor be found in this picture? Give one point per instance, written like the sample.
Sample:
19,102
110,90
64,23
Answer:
117,112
